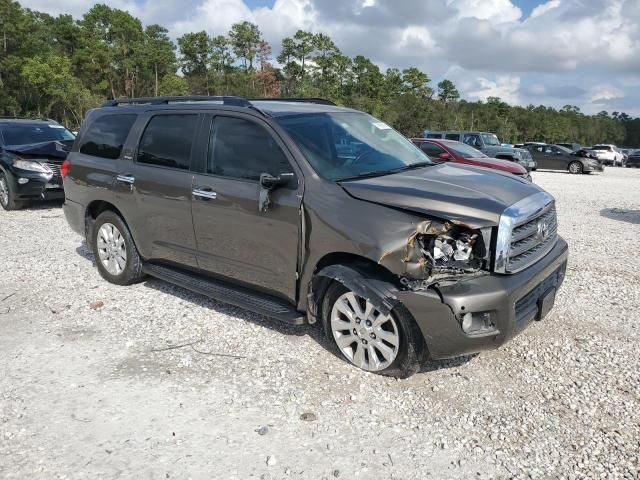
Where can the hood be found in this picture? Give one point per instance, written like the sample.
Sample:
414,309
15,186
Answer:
496,163
473,196
55,149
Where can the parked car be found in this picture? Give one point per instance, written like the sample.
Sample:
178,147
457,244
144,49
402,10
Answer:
488,144
250,202
609,154
458,152
574,147
555,157
31,153
634,159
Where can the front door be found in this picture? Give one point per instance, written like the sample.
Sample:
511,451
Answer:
158,178
236,240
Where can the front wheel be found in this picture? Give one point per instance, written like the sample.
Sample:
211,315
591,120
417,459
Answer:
576,167
383,343
117,257
7,195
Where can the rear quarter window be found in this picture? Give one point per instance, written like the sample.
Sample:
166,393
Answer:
106,135
434,135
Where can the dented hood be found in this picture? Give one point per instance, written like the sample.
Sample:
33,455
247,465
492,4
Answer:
462,193
54,149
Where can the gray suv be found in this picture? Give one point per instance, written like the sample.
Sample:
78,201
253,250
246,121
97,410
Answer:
489,144
307,212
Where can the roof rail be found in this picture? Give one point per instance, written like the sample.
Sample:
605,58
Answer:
319,101
235,101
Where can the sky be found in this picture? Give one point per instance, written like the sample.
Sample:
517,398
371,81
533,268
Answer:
549,52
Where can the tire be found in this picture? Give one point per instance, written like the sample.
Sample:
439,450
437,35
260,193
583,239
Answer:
576,168
7,195
407,356
115,252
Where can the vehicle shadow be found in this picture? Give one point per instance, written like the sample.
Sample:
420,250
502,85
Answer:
43,205
622,215
314,332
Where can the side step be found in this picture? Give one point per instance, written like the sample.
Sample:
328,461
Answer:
263,304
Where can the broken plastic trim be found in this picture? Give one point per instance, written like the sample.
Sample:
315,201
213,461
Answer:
378,292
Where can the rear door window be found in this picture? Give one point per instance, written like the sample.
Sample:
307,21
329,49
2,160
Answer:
167,141
473,140
242,149
431,149
106,136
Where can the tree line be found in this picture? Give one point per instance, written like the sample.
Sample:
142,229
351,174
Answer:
59,67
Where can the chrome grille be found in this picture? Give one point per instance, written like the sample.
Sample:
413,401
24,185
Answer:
55,168
532,239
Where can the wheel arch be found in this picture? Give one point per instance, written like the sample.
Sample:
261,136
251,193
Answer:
349,269
93,211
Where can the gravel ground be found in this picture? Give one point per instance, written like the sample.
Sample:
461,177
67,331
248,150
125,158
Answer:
151,381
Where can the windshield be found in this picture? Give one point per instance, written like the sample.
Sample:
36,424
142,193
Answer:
351,144
28,133
465,150
490,139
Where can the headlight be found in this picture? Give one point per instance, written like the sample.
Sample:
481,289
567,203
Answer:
31,166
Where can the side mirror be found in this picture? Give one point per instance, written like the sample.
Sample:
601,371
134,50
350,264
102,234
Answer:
268,183
445,156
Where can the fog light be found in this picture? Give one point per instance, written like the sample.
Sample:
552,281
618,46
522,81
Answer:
478,322
22,181
467,322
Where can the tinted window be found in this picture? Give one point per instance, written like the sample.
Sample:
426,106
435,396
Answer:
167,141
431,149
434,135
34,133
242,149
106,135
452,136
473,140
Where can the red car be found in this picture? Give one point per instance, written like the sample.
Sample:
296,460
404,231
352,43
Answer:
458,152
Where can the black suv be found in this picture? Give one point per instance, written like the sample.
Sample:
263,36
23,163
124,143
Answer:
31,154
304,211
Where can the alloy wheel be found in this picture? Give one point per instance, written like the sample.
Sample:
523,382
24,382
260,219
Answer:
112,250
366,337
4,190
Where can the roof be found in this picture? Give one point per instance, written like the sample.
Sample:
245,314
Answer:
273,107
19,121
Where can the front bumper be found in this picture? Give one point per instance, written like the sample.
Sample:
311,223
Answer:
594,168
38,186
511,300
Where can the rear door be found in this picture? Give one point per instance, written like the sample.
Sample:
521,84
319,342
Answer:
236,240
155,179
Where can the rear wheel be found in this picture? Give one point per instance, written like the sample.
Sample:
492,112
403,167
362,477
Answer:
576,167
117,257
384,343
7,195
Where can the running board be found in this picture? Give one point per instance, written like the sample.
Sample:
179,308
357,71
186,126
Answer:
263,304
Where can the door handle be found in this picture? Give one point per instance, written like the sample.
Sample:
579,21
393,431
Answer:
206,194
126,179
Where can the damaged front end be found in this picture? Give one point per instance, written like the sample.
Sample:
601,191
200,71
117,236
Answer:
435,251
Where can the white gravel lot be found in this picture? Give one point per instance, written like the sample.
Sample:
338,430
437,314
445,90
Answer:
106,392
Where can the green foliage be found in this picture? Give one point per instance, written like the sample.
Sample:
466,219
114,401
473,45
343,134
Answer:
60,67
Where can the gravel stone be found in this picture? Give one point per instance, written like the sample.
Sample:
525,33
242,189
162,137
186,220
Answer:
142,377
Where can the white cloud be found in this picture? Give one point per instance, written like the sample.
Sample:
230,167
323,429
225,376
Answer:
507,87
599,93
544,8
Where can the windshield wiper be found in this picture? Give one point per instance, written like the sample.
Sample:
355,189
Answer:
380,173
